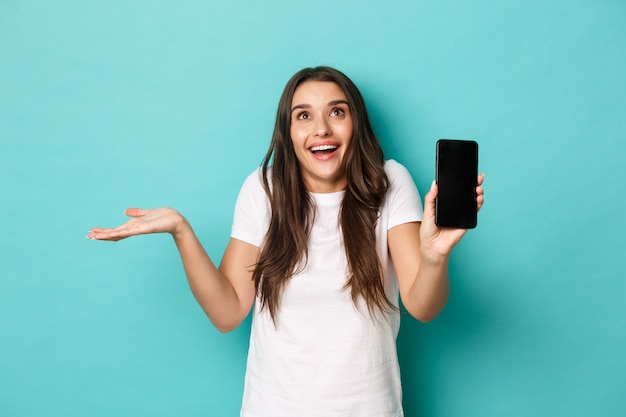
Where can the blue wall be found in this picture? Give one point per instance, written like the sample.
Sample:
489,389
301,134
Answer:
105,105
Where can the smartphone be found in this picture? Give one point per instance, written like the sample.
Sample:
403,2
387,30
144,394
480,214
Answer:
457,177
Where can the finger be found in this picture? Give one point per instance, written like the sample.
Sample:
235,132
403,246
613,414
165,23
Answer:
429,198
110,235
479,202
107,231
97,231
97,235
480,192
432,193
135,212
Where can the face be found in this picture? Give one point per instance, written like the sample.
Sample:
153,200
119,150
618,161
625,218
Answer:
321,131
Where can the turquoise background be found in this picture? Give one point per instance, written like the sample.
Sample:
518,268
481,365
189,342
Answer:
106,105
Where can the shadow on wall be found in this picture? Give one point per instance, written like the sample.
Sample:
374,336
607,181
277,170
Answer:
468,329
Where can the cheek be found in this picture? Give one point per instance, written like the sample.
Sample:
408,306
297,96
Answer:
347,126
297,135
347,131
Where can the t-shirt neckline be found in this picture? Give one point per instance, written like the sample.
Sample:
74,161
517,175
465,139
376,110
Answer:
328,199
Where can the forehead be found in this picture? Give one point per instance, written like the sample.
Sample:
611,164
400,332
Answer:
312,92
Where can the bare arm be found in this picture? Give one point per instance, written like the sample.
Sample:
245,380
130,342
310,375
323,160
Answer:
420,254
225,294
423,282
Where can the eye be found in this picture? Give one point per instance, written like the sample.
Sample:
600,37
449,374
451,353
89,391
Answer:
337,112
302,115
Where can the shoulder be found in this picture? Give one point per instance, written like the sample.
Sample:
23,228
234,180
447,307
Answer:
403,202
251,216
254,178
252,192
253,183
396,172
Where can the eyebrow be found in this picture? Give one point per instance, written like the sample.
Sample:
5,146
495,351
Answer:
330,104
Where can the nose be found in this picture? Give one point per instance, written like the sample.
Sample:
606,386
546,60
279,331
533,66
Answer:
322,127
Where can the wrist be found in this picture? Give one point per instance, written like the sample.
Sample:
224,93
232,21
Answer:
433,258
181,227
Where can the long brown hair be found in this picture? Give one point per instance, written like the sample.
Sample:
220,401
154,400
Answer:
285,249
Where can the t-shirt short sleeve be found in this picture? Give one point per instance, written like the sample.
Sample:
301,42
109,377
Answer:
403,200
252,211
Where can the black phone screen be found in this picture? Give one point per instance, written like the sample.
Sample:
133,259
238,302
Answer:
457,172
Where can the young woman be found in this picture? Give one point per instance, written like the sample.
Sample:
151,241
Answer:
326,236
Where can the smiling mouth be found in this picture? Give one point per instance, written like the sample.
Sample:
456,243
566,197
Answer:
323,149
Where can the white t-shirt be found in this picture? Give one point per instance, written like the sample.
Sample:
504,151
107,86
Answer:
325,356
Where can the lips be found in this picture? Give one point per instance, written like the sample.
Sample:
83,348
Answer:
323,151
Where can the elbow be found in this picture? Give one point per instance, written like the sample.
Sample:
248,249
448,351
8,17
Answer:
428,314
425,317
226,326
224,329
426,309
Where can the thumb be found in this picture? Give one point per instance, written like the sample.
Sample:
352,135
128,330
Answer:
429,201
430,196
135,212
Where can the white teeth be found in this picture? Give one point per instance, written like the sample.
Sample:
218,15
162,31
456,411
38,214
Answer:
323,148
